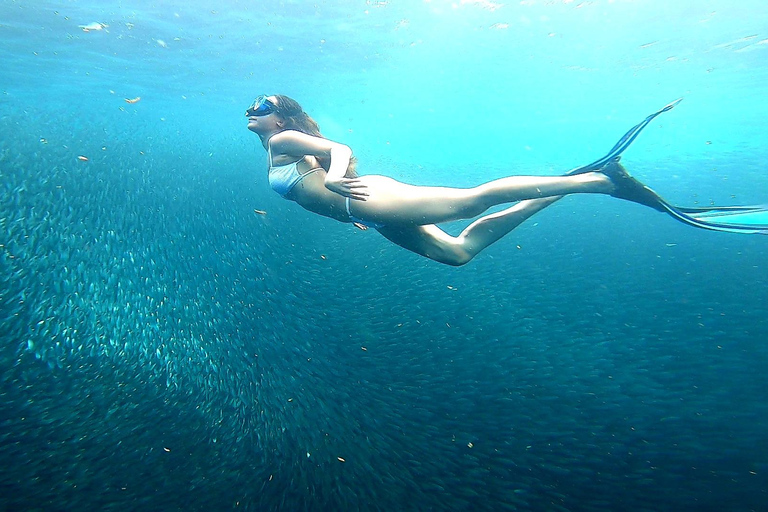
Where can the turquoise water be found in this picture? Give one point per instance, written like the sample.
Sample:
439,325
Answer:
163,346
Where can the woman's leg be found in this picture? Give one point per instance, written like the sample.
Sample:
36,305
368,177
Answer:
436,244
393,203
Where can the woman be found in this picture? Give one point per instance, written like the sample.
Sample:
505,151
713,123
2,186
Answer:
319,174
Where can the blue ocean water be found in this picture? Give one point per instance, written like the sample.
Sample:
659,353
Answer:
162,345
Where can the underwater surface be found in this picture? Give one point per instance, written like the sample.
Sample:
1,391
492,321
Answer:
164,345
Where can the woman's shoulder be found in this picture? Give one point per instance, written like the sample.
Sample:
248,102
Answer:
290,135
296,142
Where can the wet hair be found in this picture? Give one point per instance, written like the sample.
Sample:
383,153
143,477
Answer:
294,118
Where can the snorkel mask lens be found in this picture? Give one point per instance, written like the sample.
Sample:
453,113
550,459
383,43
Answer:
261,107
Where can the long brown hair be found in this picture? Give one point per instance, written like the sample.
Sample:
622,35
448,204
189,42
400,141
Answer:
295,118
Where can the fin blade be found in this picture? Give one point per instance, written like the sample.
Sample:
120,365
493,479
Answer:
624,142
730,219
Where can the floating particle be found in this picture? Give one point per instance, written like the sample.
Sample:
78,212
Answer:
93,26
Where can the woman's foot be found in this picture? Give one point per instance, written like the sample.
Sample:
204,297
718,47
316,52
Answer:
628,188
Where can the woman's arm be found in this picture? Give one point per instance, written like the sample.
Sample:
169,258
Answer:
291,142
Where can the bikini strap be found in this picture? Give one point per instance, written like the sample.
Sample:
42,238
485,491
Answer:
269,154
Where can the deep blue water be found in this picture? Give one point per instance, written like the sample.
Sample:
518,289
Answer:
163,346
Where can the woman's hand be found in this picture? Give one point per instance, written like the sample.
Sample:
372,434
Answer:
348,187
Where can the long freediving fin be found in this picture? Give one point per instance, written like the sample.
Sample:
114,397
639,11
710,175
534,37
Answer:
731,219
624,142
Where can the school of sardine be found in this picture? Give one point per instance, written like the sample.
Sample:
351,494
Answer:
164,345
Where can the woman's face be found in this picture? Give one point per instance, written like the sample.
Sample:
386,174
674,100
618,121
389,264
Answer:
266,123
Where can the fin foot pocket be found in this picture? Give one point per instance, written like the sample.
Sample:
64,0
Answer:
630,189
